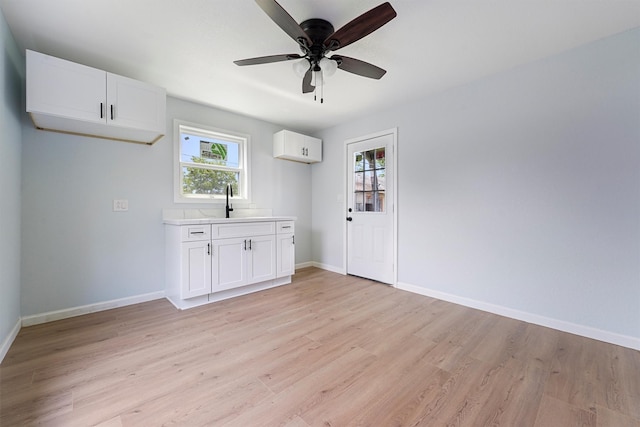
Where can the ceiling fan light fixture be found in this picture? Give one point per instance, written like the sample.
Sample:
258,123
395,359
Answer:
300,67
328,66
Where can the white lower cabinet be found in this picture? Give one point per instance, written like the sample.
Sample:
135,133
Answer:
202,260
285,250
196,271
230,263
243,261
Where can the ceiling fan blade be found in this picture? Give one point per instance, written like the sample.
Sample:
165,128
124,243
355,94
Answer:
358,67
306,82
282,18
361,26
268,59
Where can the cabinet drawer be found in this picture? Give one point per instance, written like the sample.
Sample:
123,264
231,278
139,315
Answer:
285,227
242,229
191,233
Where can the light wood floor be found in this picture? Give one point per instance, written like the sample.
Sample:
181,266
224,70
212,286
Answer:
327,350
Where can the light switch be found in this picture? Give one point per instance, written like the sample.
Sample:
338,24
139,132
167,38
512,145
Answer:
120,205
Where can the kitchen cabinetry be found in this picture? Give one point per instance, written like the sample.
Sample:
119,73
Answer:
246,254
193,269
208,262
296,146
285,250
68,97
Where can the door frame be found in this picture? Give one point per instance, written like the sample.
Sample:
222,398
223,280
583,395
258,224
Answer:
394,202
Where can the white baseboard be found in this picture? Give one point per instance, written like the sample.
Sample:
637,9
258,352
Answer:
6,344
304,265
560,325
36,319
328,267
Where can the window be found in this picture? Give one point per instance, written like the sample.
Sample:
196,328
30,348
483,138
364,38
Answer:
207,160
369,180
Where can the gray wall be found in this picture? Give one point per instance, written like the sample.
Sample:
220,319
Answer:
76,251
521,190
11,78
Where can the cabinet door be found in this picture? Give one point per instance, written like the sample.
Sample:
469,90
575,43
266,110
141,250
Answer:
313,148
135,104
285,255
229,263
262,258
196,269
65,89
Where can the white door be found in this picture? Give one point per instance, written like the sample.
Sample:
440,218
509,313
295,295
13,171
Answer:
370,208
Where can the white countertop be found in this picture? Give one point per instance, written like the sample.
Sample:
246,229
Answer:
213,220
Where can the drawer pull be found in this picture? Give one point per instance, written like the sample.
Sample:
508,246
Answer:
286,226
196,232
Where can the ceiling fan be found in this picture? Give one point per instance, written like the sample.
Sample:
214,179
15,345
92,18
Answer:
317,38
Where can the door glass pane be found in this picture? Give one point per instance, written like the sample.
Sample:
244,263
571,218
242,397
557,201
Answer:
380,205
369,201
380,180
369,180
358,182
358,201
358,162
380,158
369,157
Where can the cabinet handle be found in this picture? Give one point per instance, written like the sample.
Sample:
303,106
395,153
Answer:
245,244
249,244
286,226
208,248
111,111
101,111
196,232
293,239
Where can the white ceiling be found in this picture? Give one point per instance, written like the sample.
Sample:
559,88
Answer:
189,46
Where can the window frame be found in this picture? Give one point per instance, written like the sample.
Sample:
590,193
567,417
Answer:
244,140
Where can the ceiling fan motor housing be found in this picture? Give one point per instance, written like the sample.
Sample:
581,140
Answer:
318,30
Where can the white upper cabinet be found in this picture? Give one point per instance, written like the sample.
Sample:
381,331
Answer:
69,97
296,146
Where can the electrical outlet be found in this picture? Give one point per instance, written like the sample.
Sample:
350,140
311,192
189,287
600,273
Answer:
120,205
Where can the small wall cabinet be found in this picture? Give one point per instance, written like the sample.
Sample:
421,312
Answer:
297,147
68,97
208,262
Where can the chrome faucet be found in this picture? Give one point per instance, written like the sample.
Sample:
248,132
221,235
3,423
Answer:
229,208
